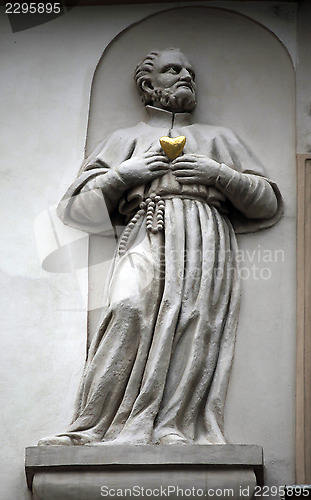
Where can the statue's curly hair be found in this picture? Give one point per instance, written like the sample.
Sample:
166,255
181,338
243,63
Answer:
144,70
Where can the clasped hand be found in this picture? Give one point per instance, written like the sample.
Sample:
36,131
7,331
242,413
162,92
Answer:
195,169
188,168
140,169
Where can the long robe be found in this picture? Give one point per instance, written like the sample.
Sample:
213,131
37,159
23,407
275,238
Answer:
158,367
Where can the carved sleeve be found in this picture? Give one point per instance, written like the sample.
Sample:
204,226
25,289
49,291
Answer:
251,194
99,195
97,191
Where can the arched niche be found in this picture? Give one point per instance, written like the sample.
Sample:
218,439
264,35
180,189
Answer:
245,81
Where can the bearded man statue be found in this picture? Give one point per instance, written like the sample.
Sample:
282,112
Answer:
158,368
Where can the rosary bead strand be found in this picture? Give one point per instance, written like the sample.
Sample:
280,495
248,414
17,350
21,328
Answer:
153,207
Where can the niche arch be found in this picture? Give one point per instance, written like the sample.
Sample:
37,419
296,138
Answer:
245,81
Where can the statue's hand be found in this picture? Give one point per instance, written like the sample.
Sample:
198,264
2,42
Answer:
144,168
195,169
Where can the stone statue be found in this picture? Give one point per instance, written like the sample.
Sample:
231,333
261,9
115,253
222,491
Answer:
158,368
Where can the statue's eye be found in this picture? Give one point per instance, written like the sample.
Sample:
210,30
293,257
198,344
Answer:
172,69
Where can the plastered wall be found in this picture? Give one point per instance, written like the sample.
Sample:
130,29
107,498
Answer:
45,81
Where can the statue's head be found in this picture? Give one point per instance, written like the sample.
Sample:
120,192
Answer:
165,79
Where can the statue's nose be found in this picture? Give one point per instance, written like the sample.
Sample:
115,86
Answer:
185,75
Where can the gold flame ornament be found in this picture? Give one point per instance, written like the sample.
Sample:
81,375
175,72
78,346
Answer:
173,147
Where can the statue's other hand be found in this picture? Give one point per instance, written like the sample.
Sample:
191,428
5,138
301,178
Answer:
195,169
144,168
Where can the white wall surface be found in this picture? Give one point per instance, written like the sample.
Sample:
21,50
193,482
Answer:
45,81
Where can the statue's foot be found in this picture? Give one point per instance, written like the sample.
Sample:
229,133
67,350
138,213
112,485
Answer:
125,439
56,441
173,439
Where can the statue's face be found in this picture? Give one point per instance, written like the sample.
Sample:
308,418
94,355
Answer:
172,80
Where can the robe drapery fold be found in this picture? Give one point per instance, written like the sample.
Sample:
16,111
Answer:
158,367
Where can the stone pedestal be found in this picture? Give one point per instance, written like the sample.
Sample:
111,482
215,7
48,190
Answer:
94,472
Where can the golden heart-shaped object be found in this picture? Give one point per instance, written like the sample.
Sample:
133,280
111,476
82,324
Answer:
173,147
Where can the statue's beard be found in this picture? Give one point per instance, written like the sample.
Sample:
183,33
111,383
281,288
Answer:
174,100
